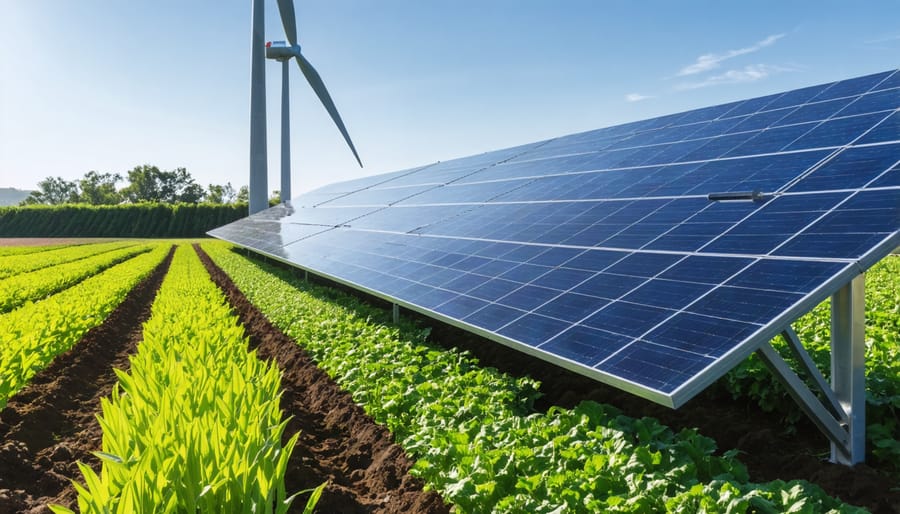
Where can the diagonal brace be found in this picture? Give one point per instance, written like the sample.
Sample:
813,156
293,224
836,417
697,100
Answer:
823,418
809,368
840,413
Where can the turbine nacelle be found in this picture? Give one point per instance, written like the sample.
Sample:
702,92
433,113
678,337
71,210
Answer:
281,50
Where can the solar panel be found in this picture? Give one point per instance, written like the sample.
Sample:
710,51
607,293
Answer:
603,252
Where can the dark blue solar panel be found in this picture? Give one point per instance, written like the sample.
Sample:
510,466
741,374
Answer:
852,168
888,130
602,252
879,101
814,112
852,87
836,132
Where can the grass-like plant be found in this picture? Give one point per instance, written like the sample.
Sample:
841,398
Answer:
195,425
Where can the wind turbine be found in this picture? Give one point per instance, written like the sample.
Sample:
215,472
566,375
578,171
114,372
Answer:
258,171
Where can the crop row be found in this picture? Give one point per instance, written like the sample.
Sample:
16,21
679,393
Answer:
195,425
751,380
17,264
34,285
34,334
474,434
6,251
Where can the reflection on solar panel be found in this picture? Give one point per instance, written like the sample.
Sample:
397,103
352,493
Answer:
606,252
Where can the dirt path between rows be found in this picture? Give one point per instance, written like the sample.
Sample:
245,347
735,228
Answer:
50,425
339,443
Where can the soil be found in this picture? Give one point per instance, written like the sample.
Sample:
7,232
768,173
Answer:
339,443
50,425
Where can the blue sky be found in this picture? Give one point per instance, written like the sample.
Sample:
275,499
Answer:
106,86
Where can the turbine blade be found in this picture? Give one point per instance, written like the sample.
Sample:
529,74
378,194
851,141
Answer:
286,8
315,81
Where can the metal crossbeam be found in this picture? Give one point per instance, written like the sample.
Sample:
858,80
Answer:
840,410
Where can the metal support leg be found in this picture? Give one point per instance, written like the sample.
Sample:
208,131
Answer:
848,366
306,275
840,412
396,314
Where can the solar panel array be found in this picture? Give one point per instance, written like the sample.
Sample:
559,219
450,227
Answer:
602,252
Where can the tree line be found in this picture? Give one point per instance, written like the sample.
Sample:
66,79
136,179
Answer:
146,183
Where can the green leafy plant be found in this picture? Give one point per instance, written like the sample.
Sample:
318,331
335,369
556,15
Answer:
474,434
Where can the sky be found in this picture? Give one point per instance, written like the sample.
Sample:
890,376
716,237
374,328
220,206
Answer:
109,85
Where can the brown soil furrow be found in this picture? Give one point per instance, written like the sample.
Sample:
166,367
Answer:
50,425
339,443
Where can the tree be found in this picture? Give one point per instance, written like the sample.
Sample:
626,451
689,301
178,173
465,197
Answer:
53,191
191,193
243,195
149,184
99,188
221,194
275,199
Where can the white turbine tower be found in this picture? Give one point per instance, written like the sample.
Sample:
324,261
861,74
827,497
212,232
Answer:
259,51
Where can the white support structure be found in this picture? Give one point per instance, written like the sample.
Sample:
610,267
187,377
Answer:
839,409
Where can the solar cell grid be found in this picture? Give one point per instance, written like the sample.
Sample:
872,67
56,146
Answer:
601,251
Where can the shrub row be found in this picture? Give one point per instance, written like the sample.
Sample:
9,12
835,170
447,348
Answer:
127,220
475,436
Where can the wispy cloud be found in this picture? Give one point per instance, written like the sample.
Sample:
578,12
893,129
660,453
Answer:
749,73
636,97
708,62
885,39
889,42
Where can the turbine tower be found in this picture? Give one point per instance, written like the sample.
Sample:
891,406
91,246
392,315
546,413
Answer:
258,166
281,52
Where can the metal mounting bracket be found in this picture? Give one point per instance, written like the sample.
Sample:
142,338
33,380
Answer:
839,409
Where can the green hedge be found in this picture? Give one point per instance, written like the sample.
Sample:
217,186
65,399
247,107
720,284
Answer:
133,220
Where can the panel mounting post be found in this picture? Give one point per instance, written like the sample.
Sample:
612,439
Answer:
848,366
396,313
839,409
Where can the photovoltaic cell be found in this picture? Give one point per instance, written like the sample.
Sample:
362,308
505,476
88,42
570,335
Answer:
602,252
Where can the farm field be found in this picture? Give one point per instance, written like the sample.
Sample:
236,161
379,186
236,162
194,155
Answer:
396,418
